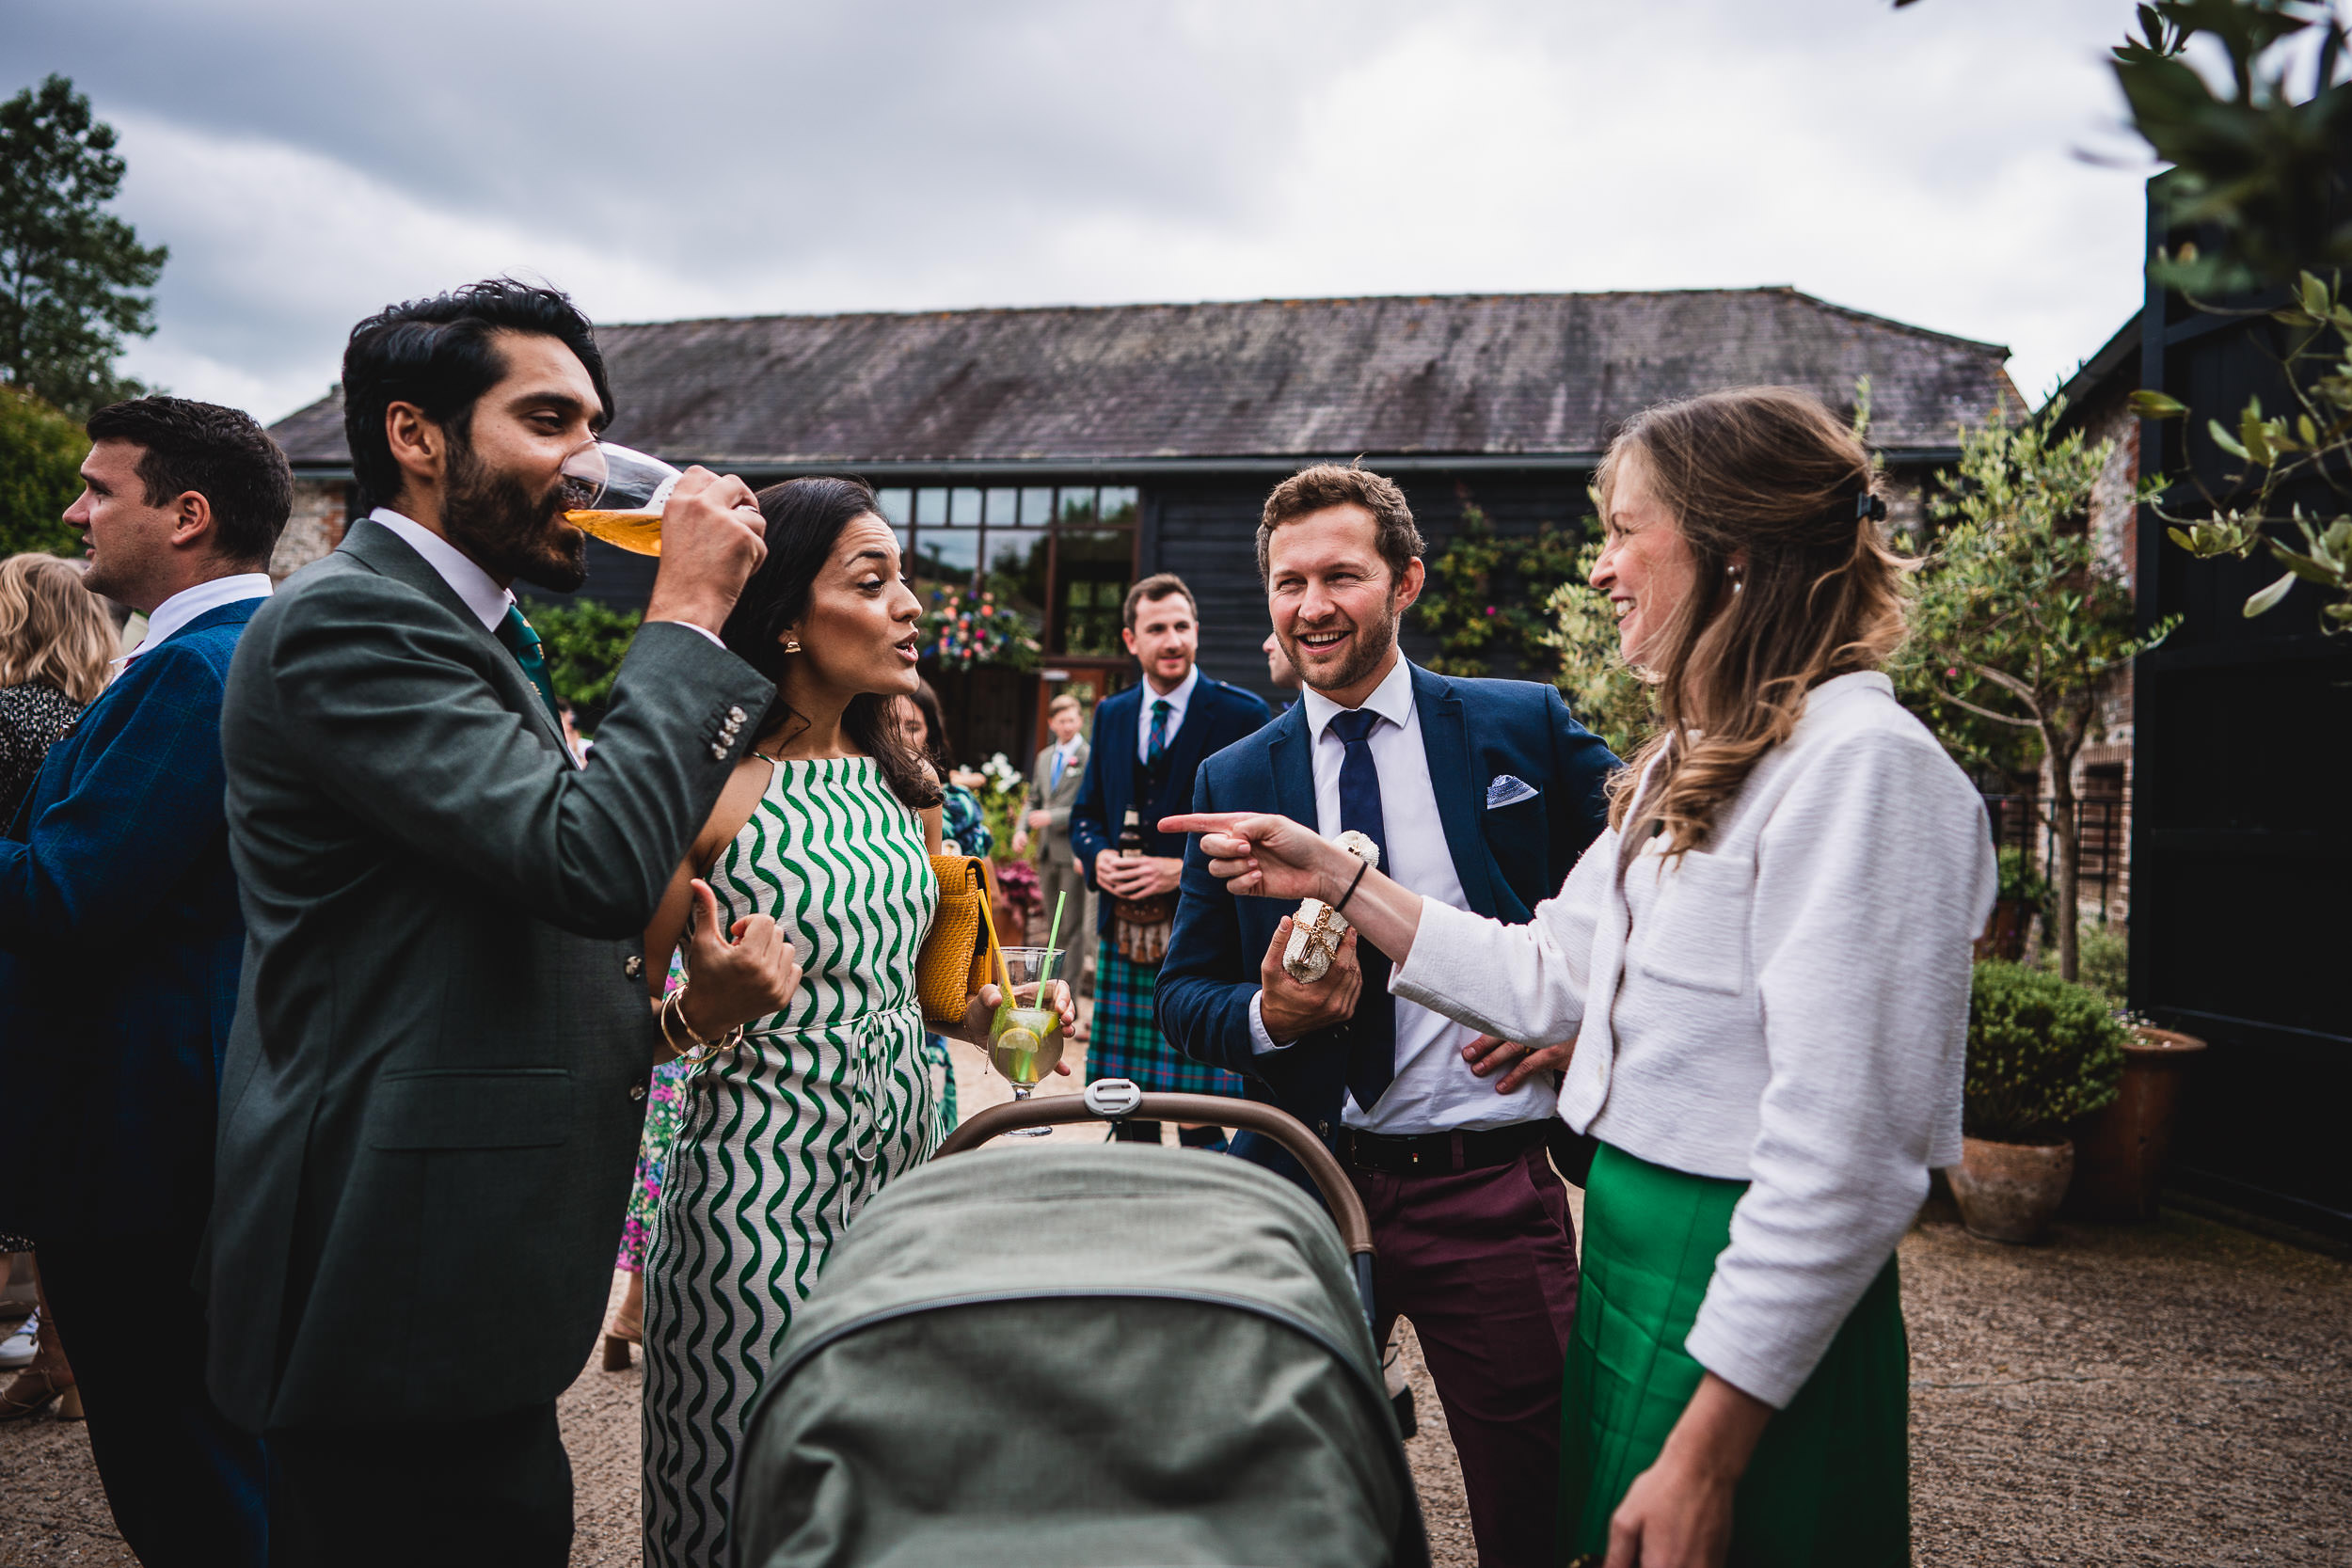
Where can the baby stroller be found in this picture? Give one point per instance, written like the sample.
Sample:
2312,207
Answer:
1080,1357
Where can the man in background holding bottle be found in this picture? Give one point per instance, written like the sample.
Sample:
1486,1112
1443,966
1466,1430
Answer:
1148,741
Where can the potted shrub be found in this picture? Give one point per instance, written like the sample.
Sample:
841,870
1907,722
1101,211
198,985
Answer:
2043,1053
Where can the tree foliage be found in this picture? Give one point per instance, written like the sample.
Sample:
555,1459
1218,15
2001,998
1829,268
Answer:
2018,617
1604,692
583,643
41,461
2253,165
73,277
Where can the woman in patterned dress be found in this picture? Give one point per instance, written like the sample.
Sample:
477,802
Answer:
825,830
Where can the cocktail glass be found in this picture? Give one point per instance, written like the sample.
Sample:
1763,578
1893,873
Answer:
1025,1039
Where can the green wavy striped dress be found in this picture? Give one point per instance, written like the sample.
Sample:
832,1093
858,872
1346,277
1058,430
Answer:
782,1141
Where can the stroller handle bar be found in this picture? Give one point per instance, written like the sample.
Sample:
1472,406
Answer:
1115,1099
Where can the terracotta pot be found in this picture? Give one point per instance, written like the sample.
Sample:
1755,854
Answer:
2007,1192
2120,1152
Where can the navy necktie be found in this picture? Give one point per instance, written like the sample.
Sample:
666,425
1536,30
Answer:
1158,747
523,644
1371,1042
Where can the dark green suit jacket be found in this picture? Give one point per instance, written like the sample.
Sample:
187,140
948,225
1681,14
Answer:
433,1087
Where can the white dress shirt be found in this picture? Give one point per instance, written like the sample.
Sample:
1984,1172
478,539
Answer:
470,583
1434,1090
1176,701
1786,1007
189,603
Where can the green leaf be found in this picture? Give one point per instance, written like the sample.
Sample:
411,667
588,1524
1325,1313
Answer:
2305,567
2223,439
2268,598
2150,403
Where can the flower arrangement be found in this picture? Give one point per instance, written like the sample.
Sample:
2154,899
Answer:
961,630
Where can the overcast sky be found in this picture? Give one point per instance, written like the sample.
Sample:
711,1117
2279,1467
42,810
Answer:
308,163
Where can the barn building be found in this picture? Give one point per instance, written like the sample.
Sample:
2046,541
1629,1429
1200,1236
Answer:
1054,456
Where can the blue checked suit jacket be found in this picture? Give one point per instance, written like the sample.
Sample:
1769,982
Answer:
120,940
1510,857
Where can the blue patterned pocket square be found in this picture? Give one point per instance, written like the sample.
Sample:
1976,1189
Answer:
1507,790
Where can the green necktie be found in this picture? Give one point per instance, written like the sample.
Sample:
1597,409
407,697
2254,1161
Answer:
524,644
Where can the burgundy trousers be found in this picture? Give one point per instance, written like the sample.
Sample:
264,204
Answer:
1484,1263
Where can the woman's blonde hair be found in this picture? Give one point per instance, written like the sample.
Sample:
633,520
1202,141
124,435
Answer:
1767,479
52,630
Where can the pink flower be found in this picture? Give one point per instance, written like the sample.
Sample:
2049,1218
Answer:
1951,673
1491,609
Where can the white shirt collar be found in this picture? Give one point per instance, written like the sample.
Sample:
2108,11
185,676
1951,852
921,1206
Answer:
189,603
1392,700
470,583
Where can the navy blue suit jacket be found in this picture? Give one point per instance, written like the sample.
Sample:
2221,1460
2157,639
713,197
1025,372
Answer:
120,940
1509,858
1217,716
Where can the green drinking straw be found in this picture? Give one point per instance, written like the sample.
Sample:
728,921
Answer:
1052,931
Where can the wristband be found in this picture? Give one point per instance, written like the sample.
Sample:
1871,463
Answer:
1340,907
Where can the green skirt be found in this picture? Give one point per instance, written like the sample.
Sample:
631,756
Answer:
1829,1485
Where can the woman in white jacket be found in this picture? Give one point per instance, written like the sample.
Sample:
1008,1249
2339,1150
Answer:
1764,968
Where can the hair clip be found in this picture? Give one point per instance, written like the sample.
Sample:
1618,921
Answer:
1871,506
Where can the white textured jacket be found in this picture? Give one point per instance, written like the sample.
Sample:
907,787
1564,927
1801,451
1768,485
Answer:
1787,1006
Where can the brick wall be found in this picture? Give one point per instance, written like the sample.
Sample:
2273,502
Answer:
316,526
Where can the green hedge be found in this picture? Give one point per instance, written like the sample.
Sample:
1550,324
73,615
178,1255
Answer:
2041,1052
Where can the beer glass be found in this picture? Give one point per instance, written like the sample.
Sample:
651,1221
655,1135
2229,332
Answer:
1025,1038
617,494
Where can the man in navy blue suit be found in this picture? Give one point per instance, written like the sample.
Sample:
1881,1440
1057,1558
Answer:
120,940
1148,741
1482,793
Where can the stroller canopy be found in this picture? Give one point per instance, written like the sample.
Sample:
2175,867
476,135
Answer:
1074,1358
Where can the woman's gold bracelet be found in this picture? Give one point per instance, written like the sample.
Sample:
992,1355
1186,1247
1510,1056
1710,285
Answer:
702,1049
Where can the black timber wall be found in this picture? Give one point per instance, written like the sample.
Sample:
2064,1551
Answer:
2240,850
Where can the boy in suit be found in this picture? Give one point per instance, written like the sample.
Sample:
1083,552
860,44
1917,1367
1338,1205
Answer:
1054,782
1482,793
120,938
1148,741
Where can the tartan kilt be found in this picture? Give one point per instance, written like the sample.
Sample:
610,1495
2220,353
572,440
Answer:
1127,1041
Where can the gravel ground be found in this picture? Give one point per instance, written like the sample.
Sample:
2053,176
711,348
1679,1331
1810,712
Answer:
2173,1394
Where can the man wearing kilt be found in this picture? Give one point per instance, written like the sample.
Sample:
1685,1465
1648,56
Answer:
1148,741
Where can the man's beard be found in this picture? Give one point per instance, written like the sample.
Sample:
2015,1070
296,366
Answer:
1372,643
509,532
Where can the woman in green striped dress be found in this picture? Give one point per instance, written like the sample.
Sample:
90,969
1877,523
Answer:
787,1130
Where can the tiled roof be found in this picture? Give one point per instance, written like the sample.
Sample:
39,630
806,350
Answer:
1484,376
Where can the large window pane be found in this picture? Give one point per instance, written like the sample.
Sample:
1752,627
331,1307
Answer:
930,507
963,508
1078,507
1003,508
1093,569
897,507
944,559
1016,570
1117,505
1037,506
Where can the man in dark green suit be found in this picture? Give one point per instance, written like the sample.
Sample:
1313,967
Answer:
436,1078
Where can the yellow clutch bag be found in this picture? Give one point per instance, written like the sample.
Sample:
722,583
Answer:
960,955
